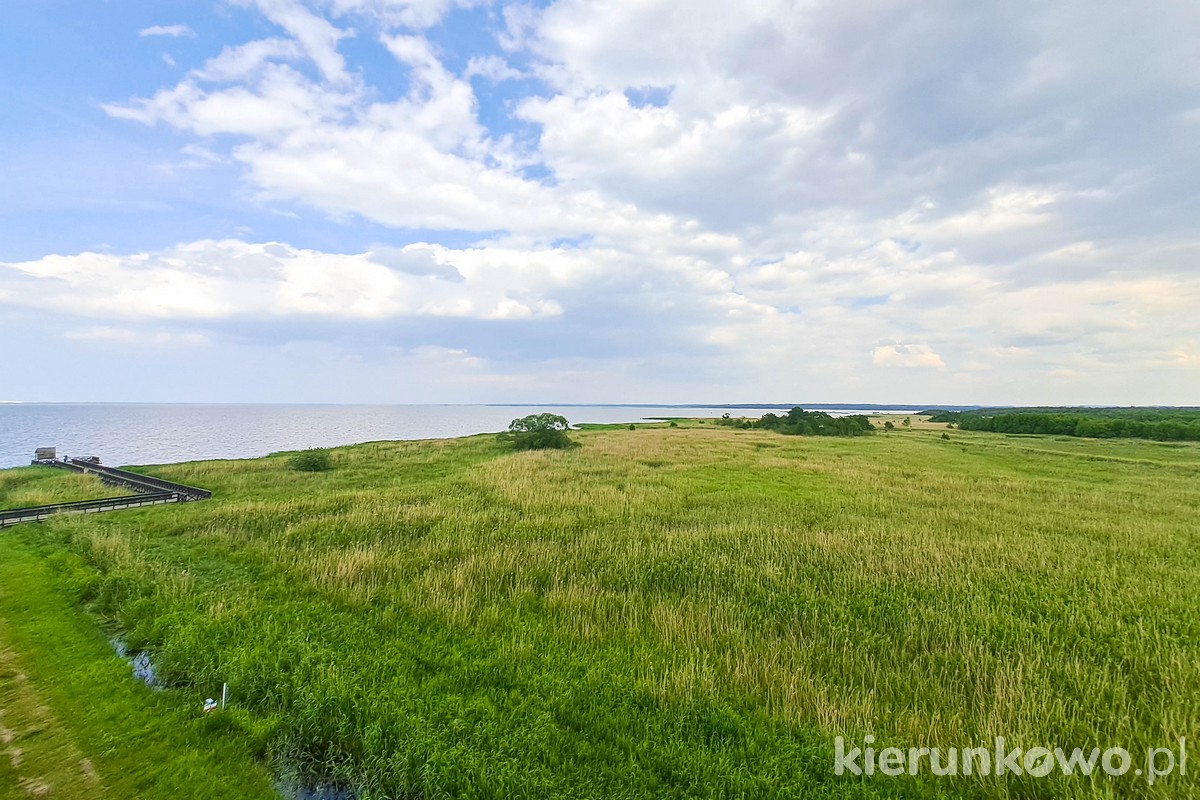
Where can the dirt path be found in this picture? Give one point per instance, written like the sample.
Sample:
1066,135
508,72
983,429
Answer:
37,756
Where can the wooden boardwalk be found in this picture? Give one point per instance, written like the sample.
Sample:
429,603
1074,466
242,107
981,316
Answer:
149,491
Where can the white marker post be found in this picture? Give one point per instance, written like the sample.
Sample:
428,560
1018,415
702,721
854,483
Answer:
224,694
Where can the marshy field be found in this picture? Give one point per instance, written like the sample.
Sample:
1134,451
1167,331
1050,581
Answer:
665,612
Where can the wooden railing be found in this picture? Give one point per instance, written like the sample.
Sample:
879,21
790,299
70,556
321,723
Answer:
150,491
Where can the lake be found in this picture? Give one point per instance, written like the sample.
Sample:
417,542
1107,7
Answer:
148,433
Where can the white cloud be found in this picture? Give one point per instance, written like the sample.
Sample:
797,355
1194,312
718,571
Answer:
521,21
658,155
142,338
1188,355
494,68
242,62
173,31
1007,208
213,280
315,34
906,355
281,101
414,14
983,193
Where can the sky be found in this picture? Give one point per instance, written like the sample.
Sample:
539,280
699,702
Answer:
588,201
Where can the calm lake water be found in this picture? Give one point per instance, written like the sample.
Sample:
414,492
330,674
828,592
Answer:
135,433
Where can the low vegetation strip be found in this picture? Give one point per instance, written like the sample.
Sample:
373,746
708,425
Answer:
1160,424
697,611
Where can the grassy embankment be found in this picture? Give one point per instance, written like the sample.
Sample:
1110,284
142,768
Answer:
74,723
43,486
671,612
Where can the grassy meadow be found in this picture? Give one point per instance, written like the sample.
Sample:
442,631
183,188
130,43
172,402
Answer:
689,611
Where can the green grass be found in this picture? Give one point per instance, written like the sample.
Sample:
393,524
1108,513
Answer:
74,723
41,486
672,612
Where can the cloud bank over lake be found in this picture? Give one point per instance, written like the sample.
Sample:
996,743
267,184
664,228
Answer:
607,201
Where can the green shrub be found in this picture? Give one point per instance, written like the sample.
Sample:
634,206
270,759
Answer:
314,460
799,422
538,432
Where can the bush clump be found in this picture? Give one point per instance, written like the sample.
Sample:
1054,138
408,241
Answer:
314,460
538,432
799,422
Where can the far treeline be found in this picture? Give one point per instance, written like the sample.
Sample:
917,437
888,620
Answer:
1161,424
799,422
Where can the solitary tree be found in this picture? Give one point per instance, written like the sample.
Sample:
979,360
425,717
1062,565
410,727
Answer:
888,426
538,432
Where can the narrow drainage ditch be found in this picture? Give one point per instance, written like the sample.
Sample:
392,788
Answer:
139,662
287,782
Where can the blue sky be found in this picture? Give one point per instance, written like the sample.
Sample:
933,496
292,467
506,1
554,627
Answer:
613,201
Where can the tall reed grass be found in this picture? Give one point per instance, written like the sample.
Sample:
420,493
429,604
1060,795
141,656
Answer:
677,612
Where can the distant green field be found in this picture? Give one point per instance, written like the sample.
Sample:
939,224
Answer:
668,612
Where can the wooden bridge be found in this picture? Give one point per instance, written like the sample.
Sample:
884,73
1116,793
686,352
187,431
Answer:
149,491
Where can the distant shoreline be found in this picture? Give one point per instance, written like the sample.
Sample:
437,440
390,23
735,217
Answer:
910,407
786,406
